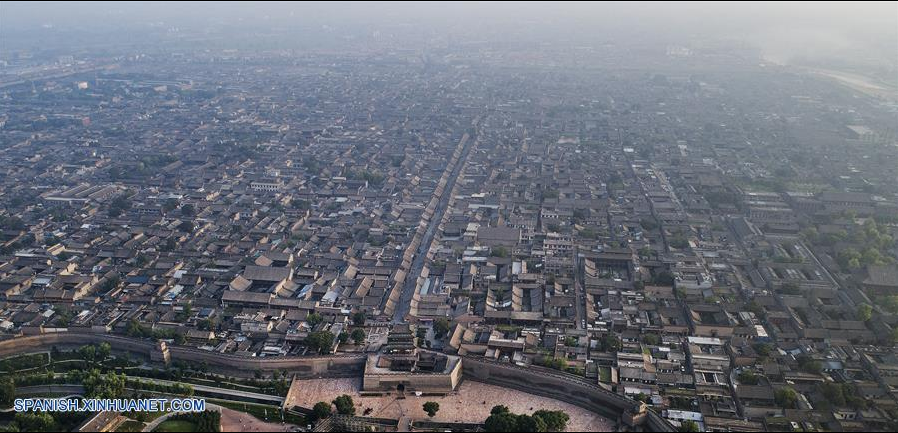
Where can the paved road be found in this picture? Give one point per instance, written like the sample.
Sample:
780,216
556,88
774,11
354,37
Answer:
75,389
408,289
70,389
203,388
155,423
579,293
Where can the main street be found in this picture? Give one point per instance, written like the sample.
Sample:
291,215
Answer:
408,289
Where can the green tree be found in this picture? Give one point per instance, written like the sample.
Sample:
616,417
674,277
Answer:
645,252
169,205
588,233
314,319
663,278
178,338
678,241
809,365
431,407
36,422
208,324
109,284
651,339
504,422
141,260
345,405
98,385
833,393
320,341
88,353
358,319
763,349
610,343
134,329
688,426
889,303
7,391
786,398
527,423
186,226
756,308
649,224
103,351
499,251
556,363
321,410
12,223
188,210
748,378
358,336
864,312
441,327
554,420
790,288
170,244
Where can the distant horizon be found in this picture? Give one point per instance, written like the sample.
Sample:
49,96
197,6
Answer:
785,31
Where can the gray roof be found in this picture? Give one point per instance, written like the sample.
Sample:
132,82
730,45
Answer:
882,275
266,273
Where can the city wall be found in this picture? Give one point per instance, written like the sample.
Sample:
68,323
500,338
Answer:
566,388
306,366
534,380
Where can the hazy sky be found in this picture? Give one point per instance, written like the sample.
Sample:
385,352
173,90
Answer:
781,29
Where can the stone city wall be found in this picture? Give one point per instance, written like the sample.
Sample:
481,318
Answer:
305,366
564,387
533,380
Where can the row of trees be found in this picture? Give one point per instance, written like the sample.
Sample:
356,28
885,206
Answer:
841,394
94,354
871,240
136,330
23,362
119,205
322,341
7,391
45,421
322,409
182,389
501,419
11,223
171,204
99,385
346,406
208,421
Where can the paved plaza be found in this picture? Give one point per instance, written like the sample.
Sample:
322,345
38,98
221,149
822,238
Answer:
471,403
235,421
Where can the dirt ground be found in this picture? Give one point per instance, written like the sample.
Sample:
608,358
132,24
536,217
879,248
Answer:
234,421
471,403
